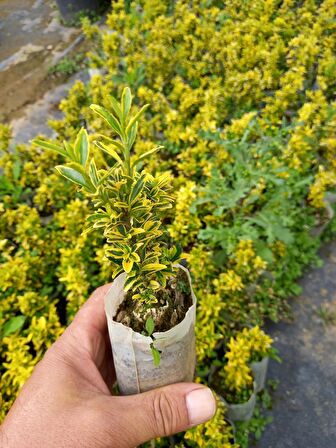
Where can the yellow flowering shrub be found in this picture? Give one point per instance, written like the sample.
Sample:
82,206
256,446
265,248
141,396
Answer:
186,225
39,290
242,98
323,181
246,259
249,345
258,343
237,374
229,282
215,433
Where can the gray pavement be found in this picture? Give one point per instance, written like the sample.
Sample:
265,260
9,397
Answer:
32,39
304,409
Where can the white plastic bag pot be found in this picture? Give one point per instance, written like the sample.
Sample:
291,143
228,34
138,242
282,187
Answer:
329,200
132,355
259,370
241,411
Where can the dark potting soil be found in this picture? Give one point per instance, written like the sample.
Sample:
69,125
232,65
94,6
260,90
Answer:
172,304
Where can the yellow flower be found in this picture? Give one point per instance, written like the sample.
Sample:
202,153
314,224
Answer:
215,433
323,180
229,281
237,373
185,225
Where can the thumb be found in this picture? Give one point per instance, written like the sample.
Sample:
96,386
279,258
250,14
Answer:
160,412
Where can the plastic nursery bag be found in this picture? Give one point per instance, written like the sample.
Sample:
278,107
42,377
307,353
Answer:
259,370
242,411
132,355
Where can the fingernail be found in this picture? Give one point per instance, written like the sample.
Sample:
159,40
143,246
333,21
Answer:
201,405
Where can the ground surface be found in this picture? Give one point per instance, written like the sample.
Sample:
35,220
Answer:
32,39
304,403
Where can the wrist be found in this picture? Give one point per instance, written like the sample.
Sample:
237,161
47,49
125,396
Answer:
3,437
8,438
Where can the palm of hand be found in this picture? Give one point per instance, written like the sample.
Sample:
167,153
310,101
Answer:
67,402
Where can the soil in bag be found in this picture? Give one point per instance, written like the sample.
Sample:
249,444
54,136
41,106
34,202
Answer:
172,305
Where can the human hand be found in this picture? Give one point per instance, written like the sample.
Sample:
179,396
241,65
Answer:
67,401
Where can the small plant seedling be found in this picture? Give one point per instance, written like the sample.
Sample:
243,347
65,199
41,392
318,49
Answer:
67,65
129,205
150,325
327,314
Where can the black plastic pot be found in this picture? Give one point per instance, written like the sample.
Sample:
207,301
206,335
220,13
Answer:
71,9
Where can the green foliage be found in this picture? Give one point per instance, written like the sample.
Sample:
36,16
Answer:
129,204
250,432
12,325
67,65
243,101
156,355
150,326
249,196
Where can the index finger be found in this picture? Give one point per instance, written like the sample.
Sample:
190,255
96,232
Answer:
92,314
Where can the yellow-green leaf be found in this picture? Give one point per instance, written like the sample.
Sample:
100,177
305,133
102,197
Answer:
135,257
127,265
150,326
116,107
126,102
93,173
146,154
51,146
136,117
131,135
12,325
132,283
137,231
82,147
154,284
136,189
109,118
75,176
154,267
70,150
156,356
109,151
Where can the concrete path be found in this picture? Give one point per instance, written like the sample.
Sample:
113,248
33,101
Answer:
304,408
34,118
32,39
